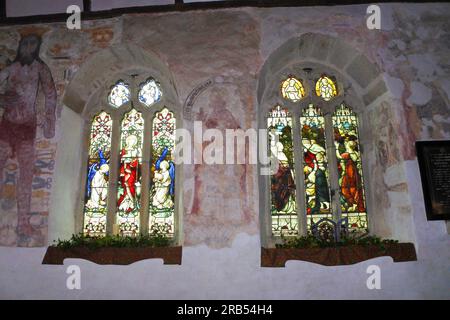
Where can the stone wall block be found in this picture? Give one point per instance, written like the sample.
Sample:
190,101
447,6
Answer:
306,45
378,90
394,175
341,54
362,71
399,199
322,46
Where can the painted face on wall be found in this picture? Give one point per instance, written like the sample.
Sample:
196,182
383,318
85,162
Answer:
28,49
217,99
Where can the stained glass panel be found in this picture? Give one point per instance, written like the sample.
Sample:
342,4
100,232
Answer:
97,176
283,203
120,94
162,192
351,184
149,92
326,88
315,165
129,187
292,89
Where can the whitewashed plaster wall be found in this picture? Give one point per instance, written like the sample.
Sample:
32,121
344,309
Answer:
228,273
232,271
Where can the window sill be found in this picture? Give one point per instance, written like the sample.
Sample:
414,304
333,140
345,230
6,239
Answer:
114,255
335,256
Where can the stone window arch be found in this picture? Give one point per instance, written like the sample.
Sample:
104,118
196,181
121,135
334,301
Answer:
89,99
358,85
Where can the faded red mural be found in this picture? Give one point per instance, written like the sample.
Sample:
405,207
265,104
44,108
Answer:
26,152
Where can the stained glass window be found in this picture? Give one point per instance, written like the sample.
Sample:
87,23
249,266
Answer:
119,95
97,176
319,137
283,206
292,89
315,165
124,198
129,187
149,92
326,88
162,192
351,184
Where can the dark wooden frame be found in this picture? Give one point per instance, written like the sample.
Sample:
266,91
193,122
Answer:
179,6
427,187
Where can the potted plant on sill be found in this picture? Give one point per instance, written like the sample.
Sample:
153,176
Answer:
331,244
114,249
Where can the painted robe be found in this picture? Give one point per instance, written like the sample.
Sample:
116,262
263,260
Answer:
128,179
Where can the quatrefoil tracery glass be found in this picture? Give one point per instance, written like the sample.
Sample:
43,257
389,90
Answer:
292,89
149,92
326,88
119,94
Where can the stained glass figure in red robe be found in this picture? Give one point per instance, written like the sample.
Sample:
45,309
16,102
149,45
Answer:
129,175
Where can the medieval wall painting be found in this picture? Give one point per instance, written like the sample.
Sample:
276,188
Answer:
219,201
217,197
27,153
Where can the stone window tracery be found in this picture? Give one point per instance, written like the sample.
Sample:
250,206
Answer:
130,170
315,152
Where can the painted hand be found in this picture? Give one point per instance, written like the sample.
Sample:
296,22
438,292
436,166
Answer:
49,128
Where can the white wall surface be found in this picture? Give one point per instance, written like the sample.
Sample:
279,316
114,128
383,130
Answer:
232,273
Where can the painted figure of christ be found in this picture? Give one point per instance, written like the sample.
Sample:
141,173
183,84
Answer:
22,79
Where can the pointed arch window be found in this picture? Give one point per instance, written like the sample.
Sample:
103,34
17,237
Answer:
96,198
351,182
318,177
315,165
162,192
283,206
130,171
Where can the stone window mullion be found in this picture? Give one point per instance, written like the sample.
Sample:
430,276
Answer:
299,176
332,165
145,169
113,173
267,195
79,221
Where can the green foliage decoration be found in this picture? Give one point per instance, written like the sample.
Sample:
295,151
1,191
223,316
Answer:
310,241
155,239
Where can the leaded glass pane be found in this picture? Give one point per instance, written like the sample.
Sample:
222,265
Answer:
162,192
96,196
292,89
119,95
326,88
315,165
282,197
149,92
351,184
129,187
